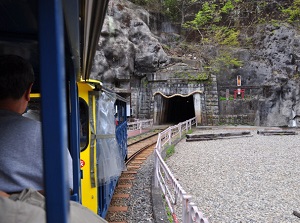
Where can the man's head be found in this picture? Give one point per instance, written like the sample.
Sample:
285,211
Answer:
16,79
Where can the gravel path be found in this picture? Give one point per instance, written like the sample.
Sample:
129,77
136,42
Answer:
251,179
140,207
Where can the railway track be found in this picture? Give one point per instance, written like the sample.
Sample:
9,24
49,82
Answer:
139,148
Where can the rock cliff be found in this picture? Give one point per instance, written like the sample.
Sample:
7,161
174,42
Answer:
270,70
131,57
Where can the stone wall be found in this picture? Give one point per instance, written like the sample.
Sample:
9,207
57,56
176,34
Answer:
238,112
211,102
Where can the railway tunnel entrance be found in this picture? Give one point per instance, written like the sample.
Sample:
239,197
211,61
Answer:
179,109
175,108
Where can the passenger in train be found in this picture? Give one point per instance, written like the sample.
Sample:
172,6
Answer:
21,163
21,166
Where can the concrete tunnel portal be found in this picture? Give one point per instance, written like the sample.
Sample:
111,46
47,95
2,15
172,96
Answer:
174,109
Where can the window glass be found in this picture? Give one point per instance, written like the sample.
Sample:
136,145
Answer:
84,121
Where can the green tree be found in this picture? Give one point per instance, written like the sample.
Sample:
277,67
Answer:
211,19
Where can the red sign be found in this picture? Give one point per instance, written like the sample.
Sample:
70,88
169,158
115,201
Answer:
82,163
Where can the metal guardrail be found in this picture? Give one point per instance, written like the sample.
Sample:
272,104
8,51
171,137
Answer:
172,190
139,124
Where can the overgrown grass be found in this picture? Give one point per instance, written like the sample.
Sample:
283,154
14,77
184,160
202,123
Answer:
189,131
168,212
170,151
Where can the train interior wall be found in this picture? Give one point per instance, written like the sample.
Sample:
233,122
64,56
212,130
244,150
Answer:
178,109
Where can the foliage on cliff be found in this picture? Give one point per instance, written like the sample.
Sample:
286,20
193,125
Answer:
221,20
211,30
293,11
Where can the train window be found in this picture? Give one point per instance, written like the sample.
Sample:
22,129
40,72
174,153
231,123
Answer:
84,124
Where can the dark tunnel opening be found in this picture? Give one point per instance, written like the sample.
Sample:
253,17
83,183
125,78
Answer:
179,109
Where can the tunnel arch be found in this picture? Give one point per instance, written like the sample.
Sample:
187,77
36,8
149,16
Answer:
175,108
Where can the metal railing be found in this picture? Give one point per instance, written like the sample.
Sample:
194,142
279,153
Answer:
140,124
172,190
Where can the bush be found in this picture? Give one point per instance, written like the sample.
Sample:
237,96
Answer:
293,12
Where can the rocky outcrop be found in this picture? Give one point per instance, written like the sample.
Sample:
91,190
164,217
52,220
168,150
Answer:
270,71
127,48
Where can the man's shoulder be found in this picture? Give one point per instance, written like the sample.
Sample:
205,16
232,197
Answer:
29,122
7,117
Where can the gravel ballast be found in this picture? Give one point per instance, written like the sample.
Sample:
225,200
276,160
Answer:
247,179
140,205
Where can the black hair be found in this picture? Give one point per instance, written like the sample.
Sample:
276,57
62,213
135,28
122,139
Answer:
16,75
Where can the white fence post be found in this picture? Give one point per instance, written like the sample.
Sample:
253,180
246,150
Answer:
185,207
156,170
180,133
170,136
140,127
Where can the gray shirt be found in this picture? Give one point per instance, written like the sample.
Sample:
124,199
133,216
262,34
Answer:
21,163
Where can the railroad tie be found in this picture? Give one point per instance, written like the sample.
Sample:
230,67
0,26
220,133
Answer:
126,178
121,196
133,166
117,209
124,185
118,222
129,172
136,162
